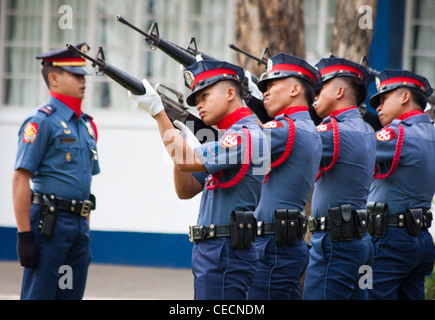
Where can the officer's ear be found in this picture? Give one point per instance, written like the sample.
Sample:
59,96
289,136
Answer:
405,96
296,88
53,79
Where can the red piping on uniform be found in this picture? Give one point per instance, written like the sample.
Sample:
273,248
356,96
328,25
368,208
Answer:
396,158
287,150
336,140
215,183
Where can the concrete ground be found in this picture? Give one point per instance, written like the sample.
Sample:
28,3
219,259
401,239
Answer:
107,282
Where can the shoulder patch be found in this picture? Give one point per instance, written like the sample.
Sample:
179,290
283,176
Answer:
47,109
273,124
324,127
30,132
386,134
231,140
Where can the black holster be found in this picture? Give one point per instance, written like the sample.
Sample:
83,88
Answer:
377,226
290,225
243,229
47,217
340,223
414,221
361,219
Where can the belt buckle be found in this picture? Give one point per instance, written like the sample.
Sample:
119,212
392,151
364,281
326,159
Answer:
196,233
86,208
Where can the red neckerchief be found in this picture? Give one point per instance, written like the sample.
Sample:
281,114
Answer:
290,110
337,112
233,117
410,114
75,104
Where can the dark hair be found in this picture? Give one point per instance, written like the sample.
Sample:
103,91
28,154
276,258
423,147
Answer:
309,91
46,70
359,89
418,97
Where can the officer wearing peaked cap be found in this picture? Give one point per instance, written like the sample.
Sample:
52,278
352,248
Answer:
401,193
296,148
229,172
57,152
340,242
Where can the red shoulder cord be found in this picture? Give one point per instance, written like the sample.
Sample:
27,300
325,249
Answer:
215,183
396,158
287,150
336,141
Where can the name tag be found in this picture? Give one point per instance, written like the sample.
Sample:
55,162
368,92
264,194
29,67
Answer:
68,140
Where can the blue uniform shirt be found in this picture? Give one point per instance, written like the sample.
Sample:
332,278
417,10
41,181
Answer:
59,150
227,155
348,181
412,185
289,184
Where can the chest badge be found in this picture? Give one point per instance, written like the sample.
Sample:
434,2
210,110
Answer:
66,130
68,157
90,130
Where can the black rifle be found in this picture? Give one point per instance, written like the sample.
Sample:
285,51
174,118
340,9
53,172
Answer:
124,79
261,60
189,56
174,110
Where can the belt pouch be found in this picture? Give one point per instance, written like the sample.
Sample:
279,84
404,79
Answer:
293,229
281,225
242,229
302,228
47,218
361,220
371,212
377,219
428,219
414,218
347,222
334,223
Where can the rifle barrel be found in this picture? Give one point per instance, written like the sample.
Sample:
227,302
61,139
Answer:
122,20
236,48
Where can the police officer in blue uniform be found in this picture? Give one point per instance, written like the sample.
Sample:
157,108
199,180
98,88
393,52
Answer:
401,194
289,89
340,242
229,172
57,152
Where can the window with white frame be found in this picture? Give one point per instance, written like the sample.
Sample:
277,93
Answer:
419,48
319,16
29,27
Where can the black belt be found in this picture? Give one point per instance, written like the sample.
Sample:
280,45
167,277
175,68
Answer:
317,224
80,207
265,228
197,233
398,220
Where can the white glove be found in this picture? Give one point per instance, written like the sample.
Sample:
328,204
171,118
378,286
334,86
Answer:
187,134
253,89
150,101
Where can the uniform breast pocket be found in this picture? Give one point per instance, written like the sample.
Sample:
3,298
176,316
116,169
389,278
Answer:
68,149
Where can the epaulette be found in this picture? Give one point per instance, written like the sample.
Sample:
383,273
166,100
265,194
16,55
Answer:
47,109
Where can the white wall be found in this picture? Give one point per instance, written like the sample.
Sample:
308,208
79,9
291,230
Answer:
135,187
